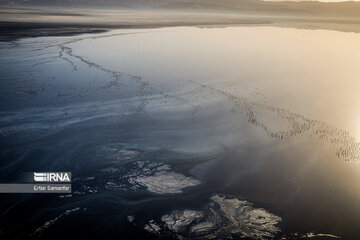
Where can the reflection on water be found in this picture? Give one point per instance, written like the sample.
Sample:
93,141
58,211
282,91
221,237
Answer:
188,132
277,63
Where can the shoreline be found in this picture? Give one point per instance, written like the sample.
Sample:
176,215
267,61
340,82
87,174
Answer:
15,25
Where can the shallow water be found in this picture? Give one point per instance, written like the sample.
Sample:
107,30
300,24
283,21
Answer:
162,121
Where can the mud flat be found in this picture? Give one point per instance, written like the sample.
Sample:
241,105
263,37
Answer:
223,217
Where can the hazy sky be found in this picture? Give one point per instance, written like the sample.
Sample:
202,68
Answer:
55,2
313,0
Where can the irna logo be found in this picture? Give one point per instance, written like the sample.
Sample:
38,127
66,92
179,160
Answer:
52,177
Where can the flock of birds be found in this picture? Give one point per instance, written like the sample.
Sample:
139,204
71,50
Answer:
346,146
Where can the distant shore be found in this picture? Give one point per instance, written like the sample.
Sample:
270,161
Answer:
20,23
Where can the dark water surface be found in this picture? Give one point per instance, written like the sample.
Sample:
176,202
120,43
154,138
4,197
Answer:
180,133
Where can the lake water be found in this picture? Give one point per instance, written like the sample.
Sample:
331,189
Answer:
176,132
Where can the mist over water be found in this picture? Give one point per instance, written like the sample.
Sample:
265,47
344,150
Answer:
244,132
